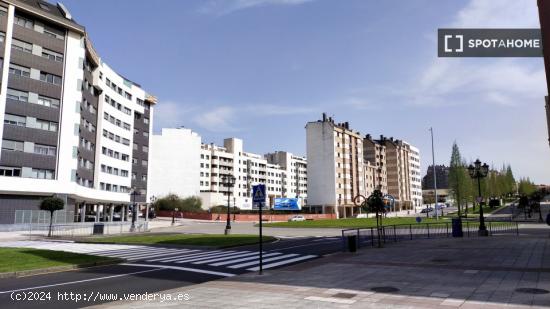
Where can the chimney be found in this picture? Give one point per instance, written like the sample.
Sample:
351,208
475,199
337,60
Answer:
346,124
368,137
324,117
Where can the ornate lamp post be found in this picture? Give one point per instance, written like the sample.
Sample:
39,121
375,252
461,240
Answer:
174,215
479,171
229,182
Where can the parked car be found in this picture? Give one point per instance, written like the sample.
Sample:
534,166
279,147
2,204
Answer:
361,216
425,210
297,218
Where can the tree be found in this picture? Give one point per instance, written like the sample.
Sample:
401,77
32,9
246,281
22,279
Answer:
457,178
172,201
51,204
526,187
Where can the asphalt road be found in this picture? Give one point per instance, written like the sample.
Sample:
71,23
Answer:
148,272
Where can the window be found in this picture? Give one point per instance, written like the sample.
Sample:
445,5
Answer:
145,148
15,120
18,95
146,120
127,95
125,157
45,150
21,46
49,102
134,161
133,176
2,34
46,125
126,126
146,134
101,75
143,177
50,78
135,146
12,145
127,111
140,102
19,70
46,53
3,11
124,173
54,33
23,22
10,171
144,162
41,173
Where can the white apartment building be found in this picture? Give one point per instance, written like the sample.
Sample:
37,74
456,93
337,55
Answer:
175,163
248,169
184,166
416,177
72,126
294,176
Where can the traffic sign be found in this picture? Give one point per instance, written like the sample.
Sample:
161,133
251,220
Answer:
479,199
258,196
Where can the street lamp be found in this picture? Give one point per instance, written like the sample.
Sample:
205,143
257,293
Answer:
229,182
134,192
174,215
479,171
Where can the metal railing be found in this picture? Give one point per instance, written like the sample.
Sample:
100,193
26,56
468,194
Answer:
393,233
79,229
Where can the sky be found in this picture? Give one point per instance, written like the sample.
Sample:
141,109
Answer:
259,70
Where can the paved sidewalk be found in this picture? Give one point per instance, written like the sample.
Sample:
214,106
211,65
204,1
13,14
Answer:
444,273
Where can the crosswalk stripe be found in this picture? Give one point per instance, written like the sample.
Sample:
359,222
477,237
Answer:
197,258
242,265
144,253
271,265
204,271
152,255
229,256
243,259
136,250
171,259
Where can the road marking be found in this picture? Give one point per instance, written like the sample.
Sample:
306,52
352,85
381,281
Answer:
197,258
81,281
202,271
150,254
244,259
242,265
185,256
271,265
229,256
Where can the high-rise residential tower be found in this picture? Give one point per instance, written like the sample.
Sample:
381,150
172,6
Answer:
72,126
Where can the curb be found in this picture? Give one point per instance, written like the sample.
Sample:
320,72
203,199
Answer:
55,269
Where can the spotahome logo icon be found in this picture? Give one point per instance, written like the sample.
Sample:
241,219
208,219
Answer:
489,43
460,47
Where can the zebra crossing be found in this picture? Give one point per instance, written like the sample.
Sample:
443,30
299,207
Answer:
221,262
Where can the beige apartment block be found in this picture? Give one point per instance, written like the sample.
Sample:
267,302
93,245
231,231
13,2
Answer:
335,167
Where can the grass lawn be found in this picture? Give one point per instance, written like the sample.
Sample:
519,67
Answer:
354,222
18,259
211,240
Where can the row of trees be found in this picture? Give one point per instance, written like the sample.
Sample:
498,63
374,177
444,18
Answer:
499,184
172,201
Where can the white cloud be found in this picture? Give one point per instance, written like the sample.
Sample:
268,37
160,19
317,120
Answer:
223,7
170,114
501,81
225,118
218,119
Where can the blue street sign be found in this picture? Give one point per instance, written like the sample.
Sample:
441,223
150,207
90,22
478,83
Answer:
258,194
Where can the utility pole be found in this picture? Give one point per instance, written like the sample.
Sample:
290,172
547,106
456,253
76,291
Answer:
435,176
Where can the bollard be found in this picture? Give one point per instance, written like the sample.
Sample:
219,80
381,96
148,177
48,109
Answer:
352,243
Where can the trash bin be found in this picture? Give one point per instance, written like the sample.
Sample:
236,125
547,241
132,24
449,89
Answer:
98,228
352,243
457,227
